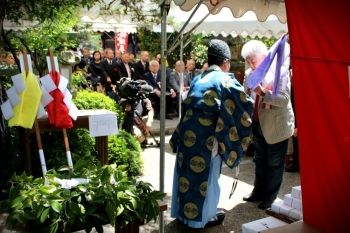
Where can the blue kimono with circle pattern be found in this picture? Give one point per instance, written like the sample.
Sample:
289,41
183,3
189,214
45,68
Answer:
216,107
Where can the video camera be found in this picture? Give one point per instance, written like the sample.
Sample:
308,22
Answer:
133,91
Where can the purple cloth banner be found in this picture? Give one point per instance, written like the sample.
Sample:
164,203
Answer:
259,74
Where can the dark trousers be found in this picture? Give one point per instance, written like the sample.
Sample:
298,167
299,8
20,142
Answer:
156,99
269,165
295,152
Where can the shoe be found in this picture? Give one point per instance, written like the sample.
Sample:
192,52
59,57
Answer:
264,205
292,168
217,220
167,116
251,198
158,117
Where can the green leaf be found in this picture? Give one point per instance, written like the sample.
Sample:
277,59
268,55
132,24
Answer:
27,203
14,177
82,188
23,176
39,180
102,216
74,207
13,193
55,198
28,214
120,210
91,210
10,221
47,190
44,215
63,168
110,210
66,194
56,206
158,195
20,218
17,202
134,203
39,211
54,227
105,177
98,199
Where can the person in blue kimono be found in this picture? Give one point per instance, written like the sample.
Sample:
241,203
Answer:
214,127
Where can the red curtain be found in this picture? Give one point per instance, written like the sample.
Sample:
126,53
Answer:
320,56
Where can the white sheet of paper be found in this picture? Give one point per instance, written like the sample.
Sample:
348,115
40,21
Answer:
68,99
41,111
21,61
46,98
73,111
48,83
18,82
13,96
7,110
103,125
49,63
63,85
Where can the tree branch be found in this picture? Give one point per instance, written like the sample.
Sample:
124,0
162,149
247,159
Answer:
36,64
4,36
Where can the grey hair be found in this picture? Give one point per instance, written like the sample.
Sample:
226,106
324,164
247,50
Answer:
154,62
253,48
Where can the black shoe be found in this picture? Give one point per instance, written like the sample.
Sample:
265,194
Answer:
217,220
167,116
292,168
158,117
264,205
251,198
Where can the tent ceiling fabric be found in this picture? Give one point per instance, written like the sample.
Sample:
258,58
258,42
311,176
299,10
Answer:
262,8
24,24
100,24
225,24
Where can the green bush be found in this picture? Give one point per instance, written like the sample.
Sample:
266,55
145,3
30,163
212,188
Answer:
124,149
96,100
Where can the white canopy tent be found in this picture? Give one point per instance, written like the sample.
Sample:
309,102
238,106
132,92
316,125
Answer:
226,24
262,8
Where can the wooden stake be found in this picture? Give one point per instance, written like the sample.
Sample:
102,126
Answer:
36,123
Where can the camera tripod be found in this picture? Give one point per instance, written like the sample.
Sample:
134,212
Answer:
156,141
129,122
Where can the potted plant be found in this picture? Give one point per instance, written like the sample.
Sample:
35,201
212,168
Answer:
87,196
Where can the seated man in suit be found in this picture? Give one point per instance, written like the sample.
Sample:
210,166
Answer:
153,78
109,71
142,66
118,56
191,69
179,81
86,55
126,68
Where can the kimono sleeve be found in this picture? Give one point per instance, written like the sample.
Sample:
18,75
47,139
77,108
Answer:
234,122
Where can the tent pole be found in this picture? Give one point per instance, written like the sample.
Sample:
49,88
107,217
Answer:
165,6
188,20
182,74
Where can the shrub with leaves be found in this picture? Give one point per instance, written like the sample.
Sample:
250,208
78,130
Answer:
124,149
95,100
100,195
